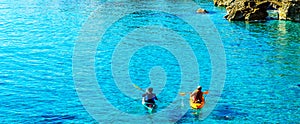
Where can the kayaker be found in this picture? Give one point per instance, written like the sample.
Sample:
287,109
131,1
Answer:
149,97
198,94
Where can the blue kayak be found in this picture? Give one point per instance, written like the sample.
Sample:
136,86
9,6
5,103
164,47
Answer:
149,106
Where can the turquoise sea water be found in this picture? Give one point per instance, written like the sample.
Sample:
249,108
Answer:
38,39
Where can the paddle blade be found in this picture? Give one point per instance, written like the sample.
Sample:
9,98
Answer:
206,92
182,94
137,87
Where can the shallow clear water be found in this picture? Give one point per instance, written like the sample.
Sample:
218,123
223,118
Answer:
37,40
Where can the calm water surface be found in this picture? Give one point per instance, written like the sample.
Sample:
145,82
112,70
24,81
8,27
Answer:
37,40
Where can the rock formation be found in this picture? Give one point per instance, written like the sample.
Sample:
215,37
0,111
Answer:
290,11
250,10
223,2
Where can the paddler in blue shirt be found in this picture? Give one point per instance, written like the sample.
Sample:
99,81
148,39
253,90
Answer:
149,97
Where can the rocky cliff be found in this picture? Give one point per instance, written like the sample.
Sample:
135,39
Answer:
252,10
223,2
290,10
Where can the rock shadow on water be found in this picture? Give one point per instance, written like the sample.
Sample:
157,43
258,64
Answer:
227,112
186,118
50,118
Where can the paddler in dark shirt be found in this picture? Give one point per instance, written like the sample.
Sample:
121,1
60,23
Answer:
197,95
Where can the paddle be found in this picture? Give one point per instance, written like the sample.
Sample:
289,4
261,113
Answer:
137,87
183,93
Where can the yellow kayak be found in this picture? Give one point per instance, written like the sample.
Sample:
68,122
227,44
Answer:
197,105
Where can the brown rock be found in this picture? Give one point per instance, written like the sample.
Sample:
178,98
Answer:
202,11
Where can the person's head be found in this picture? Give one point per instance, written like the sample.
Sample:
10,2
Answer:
199,88
150,89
